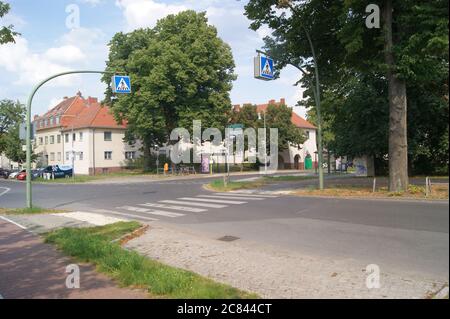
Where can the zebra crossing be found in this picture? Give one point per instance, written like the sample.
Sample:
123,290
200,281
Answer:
181,206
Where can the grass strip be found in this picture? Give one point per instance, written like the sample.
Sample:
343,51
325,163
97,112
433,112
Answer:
439,192
29,211
94,245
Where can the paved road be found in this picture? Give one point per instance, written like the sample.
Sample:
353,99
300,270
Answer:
397,235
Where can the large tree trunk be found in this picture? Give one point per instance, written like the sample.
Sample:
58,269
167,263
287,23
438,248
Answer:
398,142
147,155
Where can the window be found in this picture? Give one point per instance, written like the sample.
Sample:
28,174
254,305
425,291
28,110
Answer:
307,135
41,141
130,155
80,155
52,156
108,155
57,120
66,137
59,156
41,124
58,139
107,136
74,137
46,140
51,121
67,156
52,139
81,136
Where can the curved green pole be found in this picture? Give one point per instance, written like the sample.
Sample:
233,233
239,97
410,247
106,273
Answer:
28,123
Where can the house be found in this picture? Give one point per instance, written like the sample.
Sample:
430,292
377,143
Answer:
295,157
83,133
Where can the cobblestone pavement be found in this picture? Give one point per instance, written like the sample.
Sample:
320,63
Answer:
275,273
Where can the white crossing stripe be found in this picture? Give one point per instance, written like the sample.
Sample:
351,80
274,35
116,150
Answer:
151,211
182,208
248,194
232,197
124,214
212,200
179,202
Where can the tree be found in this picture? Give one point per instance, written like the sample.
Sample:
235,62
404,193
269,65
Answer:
279,116
11,115
180,70
7,33
411,47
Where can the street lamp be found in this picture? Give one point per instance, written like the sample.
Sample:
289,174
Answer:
316,91
28,123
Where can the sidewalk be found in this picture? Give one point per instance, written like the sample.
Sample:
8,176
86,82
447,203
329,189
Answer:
30,268
273,272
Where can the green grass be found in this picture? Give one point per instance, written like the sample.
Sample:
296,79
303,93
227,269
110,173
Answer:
93,245
288,178
29,211
218,185
90,178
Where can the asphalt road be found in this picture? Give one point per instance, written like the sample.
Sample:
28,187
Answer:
401,236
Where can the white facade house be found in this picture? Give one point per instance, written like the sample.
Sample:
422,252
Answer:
82,132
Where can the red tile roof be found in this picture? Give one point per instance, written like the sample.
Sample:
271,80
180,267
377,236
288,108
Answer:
77,112
296,119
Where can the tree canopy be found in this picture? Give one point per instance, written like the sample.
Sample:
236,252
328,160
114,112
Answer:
7,33
368,76
11,116
180,71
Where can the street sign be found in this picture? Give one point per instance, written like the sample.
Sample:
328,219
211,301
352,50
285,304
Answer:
23,131
121,84
264,69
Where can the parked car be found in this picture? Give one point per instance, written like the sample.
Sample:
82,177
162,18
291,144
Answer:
4,173
13,174
23,175
57,172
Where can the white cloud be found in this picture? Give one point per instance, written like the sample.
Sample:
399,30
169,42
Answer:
91,2
145,13
29,67
65,54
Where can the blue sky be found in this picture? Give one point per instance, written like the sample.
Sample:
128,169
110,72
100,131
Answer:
49,45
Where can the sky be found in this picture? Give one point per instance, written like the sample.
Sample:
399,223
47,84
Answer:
53,40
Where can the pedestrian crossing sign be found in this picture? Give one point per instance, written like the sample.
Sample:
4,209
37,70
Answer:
264,68
121,84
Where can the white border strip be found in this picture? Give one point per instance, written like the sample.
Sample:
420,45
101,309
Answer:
6,189
12,222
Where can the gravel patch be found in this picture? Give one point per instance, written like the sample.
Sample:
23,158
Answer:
274,273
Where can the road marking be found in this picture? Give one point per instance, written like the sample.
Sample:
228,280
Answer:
249,194
151,211
182,208
179,202
212,200
104,211
6,189
12,222
231,197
